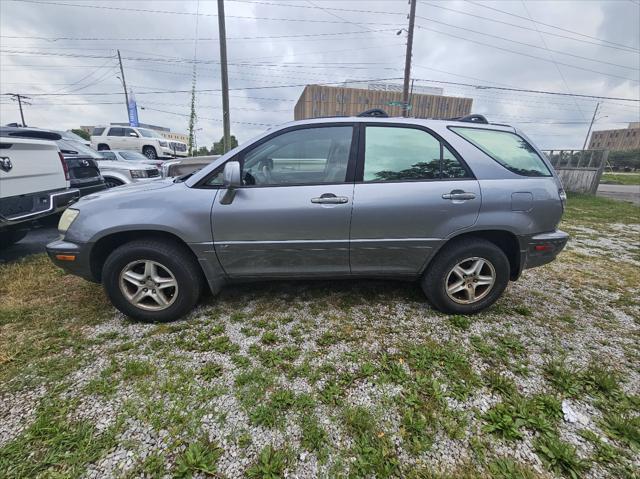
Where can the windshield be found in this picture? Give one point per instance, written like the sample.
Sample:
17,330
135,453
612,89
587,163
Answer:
69,135
72,147
133,156
148,133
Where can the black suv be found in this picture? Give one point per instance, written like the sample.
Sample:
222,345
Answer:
83,169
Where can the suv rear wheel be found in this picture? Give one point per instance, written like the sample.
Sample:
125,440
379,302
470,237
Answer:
150,152
152,280
466,277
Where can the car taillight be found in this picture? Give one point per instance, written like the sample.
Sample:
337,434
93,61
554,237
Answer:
64,166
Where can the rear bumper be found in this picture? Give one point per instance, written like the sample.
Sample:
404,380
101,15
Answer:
542,248
44,204
80,265
87,190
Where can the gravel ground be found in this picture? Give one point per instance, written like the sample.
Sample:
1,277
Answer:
351,379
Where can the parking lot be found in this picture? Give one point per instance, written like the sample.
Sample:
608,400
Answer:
333,379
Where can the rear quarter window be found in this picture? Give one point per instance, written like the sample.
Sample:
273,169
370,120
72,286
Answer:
510,150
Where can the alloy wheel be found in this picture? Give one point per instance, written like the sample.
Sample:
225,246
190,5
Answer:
148,285
470,280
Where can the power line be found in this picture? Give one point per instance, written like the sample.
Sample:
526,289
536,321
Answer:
548,25
173,12
434,5
476,42
522,43
186,39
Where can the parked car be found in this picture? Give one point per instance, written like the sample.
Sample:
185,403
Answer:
83,168
171,168
116,172
148,142
130,155
34,181
460,206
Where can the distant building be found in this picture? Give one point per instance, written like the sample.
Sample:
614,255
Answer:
163,130
319,101
620,140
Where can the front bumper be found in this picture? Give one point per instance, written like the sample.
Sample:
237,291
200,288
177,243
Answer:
61,253
542,248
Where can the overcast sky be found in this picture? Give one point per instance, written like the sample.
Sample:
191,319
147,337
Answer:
68,47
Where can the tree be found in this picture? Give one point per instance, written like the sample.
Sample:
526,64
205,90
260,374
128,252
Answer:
218,146
202,151
81,133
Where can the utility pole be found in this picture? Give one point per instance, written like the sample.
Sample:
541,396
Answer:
407,62
226,141
593,118
124,85
17,96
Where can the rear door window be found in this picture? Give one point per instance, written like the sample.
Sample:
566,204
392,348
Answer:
98,131
408,154
116,132
510,150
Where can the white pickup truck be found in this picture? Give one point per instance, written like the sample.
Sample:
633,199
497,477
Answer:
34,182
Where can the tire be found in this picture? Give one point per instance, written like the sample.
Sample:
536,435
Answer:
169,257
474,296
150,152
11,237
103,147
112,182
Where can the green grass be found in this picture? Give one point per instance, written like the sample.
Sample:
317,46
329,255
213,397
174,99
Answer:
270,464
587,210
54,445
560,457
199,457
621,178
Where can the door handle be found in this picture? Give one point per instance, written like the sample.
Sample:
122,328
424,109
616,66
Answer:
459,195
330,199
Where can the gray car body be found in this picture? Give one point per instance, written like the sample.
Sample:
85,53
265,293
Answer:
384,230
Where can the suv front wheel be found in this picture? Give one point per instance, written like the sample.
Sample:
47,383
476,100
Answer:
152,280
466,277
150,152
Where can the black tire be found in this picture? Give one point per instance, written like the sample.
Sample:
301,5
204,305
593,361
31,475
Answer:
11,237
170,255
437,277
112,182
150,152
103,147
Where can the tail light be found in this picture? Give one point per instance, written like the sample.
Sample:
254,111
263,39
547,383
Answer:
64,166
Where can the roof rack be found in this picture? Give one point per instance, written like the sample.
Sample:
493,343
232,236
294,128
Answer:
473,118
375,113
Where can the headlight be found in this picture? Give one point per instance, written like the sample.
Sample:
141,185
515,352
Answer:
66,219
162,143
138,173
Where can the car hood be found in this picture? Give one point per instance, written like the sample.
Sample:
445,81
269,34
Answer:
125,192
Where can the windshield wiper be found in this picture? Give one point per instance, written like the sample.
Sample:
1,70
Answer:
69,152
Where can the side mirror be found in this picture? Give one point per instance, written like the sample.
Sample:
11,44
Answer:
231,179
133,133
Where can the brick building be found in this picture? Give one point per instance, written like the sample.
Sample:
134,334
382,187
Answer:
620,140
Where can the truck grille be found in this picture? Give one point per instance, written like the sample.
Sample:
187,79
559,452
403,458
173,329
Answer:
178,146
153,173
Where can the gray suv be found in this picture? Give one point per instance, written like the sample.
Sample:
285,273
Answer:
462,206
